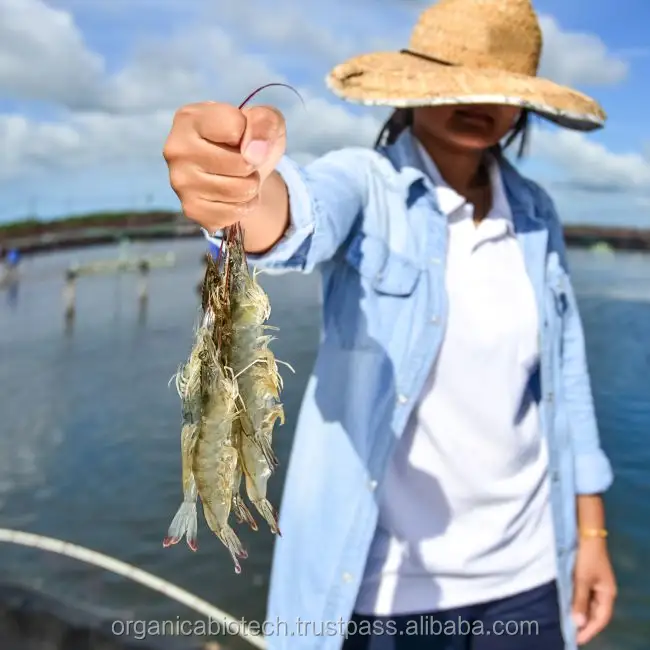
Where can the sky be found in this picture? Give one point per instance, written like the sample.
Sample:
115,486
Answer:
89,88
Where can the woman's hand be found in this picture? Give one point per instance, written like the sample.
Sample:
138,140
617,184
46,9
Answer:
594,589
220,158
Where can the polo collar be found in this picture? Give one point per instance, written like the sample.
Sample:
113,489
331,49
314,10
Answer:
517,191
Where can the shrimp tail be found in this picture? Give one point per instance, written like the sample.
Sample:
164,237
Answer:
269,513
242,513
228,538
183,524
264,445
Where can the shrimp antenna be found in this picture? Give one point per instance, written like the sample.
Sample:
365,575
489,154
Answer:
231,231
269,85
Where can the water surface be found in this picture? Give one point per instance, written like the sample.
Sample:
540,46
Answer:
89,434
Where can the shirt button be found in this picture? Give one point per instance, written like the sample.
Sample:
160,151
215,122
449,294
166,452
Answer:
402,399
436,260
549,397
372,485
347,577
435,320
555,476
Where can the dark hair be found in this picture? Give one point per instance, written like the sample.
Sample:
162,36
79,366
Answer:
402,118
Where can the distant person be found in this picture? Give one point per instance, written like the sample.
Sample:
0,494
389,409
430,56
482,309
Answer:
446,467
9,268
13,258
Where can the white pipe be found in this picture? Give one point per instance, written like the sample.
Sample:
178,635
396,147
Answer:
132,573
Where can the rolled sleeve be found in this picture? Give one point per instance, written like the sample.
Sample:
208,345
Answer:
289,252
593,471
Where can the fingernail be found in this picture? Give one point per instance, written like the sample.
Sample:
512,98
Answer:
256,152
579,619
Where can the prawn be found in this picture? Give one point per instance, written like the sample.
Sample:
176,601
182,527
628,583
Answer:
251,359
230,393
239,508
215,458
259,382
188,386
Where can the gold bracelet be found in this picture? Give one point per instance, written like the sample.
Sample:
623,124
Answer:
594,532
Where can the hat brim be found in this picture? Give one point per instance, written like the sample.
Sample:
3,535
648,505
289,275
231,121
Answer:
403,81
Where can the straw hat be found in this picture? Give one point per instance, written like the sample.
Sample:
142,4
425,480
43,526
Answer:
467,52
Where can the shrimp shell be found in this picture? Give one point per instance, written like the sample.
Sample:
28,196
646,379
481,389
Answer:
230,389
230,366
188,385
239,509
252,360
215,456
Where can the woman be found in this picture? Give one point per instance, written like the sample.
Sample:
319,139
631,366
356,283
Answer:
446,477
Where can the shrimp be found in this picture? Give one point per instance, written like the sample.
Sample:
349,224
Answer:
230,393
188,386
188,381
251,358
257,472
259,381
215,458
239,509
184,522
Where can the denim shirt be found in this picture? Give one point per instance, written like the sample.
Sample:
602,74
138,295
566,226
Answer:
369,222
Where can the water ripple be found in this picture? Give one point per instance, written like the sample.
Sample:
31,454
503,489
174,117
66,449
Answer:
89,438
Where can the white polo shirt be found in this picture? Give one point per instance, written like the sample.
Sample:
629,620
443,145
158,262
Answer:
465,514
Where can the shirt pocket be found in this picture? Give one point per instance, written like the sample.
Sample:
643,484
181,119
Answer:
386,272
372,297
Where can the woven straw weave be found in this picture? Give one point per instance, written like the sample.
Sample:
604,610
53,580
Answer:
467,52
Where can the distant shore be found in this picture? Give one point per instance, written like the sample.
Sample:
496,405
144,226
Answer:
36,236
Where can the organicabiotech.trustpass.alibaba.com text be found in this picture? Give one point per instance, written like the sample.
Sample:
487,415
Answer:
424,625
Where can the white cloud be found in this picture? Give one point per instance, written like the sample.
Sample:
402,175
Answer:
195,65
126,114
97,139
590,165
43,55
81,141
576,58
573,58
291,26
322,126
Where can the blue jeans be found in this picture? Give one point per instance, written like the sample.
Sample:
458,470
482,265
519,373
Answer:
527,621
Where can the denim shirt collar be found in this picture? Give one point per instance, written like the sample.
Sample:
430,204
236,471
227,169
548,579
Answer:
404,157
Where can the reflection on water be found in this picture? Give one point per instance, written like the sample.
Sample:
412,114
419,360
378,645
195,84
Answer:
12,293
89,433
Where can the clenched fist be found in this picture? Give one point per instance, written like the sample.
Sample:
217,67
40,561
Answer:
219,158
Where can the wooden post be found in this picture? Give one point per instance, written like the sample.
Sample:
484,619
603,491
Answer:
69,294
143,284
143,290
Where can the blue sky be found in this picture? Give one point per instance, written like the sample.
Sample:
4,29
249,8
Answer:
88,89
